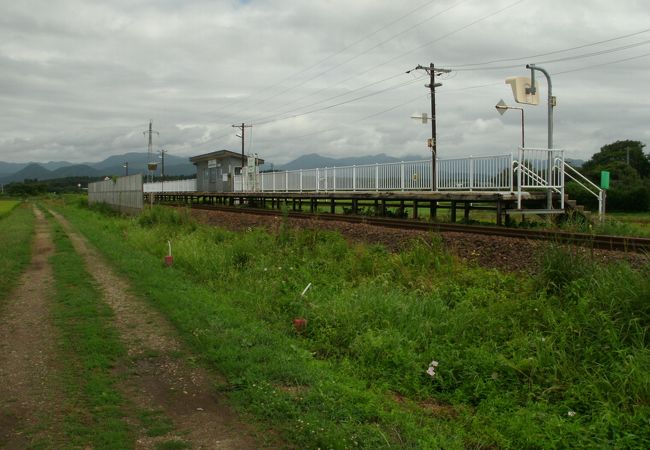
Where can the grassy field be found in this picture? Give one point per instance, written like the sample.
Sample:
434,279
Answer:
6,206
556,360
16,231
637,224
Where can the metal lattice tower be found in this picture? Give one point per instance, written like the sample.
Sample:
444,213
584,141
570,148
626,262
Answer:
150,161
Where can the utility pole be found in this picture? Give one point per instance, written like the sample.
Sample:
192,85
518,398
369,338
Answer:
162,169
126,168
243,127
433,72
151,164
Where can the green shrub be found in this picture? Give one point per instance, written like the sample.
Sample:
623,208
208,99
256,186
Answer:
560,266
162,215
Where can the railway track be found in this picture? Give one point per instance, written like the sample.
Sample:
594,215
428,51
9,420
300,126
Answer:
618,243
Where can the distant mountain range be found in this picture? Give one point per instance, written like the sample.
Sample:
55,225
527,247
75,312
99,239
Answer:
111,166
314,160
176,165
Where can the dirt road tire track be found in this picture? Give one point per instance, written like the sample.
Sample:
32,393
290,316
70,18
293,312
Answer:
30,397
159,376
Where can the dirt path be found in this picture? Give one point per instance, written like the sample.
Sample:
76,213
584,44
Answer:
159,375
29,397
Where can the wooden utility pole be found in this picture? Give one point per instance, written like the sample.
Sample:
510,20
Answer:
243,127
433,72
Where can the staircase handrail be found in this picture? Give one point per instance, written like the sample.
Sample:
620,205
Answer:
598,192
532,174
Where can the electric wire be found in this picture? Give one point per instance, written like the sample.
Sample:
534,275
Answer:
439,38
331,98
355,99
645,55
336,66
474,22
327,58
591,54
636,33
566,58
465,88
411,100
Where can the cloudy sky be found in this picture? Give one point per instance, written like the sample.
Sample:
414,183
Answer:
80,79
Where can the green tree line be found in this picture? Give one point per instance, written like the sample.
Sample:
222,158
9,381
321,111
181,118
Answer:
34,187
629,169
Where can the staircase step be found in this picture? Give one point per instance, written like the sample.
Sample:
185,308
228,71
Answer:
535,211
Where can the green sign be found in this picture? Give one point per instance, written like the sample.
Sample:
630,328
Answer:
604,179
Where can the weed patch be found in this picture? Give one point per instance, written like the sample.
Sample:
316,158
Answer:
16,231
554,361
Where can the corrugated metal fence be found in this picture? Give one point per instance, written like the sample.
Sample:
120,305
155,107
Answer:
171,186
124,193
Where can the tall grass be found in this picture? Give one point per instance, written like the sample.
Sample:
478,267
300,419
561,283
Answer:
558,360
6,206
16,231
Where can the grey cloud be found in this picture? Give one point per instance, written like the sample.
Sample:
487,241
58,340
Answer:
80,80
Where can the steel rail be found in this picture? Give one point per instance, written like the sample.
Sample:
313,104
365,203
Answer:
607,242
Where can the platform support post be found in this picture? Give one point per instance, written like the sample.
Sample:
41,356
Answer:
499,212
453,211
466,214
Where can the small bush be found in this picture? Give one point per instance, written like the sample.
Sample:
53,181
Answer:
559,267
160,215
104,209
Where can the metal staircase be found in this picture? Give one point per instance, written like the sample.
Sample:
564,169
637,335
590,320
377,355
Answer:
543,169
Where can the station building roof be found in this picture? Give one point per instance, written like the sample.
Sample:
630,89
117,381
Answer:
219,154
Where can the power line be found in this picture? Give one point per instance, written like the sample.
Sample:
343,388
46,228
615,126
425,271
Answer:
417,48
530,57
474,22
603,64
567,58
371,94
438,39
451,90
319,62
335,96
363,52
363,118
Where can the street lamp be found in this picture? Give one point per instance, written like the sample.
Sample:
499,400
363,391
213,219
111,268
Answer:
502,108
126,168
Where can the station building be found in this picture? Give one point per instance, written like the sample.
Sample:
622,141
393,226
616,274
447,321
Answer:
216,171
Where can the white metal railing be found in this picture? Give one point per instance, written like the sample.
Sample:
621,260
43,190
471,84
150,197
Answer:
170,186
539,169
587,185
484,173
